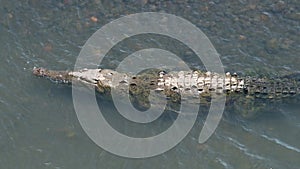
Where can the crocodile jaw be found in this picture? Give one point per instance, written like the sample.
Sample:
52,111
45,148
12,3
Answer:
105,77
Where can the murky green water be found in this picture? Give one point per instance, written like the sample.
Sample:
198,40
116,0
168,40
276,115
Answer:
38,124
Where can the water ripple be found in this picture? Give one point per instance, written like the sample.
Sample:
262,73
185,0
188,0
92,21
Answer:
225,164
281,143
243,148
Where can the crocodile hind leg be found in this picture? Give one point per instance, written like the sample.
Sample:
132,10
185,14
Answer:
249,107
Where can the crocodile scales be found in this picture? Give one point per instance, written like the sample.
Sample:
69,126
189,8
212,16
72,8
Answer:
247,95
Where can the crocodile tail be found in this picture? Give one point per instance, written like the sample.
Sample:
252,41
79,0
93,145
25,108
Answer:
272,88
295,76
289,86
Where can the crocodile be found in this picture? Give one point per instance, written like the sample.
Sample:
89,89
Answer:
245,92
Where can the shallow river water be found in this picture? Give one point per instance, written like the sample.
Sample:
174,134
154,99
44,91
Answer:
38,124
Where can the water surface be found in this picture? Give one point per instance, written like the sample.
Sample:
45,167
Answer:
38,124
